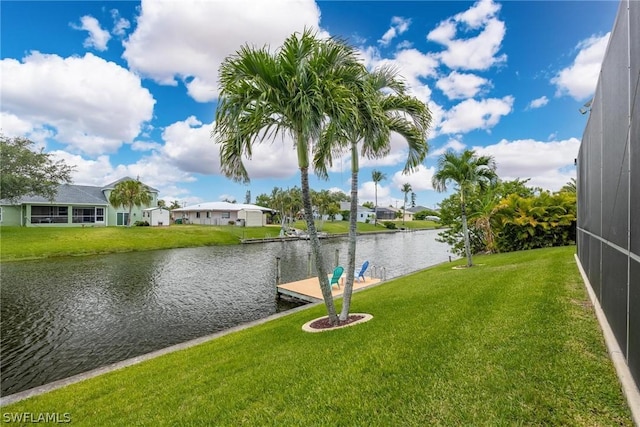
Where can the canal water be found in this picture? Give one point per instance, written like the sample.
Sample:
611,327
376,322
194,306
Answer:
64,316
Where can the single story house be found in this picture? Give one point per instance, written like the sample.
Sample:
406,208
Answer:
386,213
223,213
156,216
363,214
73,206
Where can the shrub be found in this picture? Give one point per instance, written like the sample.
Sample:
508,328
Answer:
390,225
232,222
141,223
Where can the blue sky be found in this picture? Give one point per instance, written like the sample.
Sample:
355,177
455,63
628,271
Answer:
129,88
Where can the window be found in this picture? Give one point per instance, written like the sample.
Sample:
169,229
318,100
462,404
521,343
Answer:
226,214
208,214
122,218
197,214
99,214
49,214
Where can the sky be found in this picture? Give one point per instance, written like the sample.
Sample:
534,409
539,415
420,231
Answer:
126,88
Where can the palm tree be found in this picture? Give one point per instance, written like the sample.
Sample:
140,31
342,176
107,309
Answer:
466,170
376,176
130,193
296,90
406,189
382,107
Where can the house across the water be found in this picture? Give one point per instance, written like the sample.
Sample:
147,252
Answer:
223,213
73,206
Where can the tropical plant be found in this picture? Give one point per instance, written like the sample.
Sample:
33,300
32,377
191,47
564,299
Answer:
130,193
377,177
382,107
467,171
406,189
27,172
537,221
295,90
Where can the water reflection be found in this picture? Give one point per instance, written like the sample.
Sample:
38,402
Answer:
64,316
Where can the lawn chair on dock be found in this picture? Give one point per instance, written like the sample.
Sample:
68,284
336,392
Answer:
337,274
360,275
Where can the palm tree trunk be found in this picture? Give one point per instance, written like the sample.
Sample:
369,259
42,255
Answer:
129,217
325,287
465,232
353,223
375,209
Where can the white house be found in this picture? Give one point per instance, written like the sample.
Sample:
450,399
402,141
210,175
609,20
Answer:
223,213
156,216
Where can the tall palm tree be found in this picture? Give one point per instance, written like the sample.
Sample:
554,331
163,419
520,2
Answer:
377,176
128,194
382,107
296,90
406,189
466,171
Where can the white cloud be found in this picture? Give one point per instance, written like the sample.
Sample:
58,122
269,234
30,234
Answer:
580,78
411,64
367,192
461,85
195,36
189,146
398,26
97,38
145,146
91,104
473,53
120,24
420,179
471,114
538,102
452,144
548,164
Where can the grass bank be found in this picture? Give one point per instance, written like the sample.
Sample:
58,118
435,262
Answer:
22,243
511,342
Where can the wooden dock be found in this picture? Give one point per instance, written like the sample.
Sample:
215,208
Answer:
309,289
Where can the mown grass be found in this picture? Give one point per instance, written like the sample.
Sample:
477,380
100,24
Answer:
19,243
23,243
512,341
342,227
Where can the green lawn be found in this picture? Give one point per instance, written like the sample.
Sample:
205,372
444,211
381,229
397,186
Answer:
18,243
342,227
512,341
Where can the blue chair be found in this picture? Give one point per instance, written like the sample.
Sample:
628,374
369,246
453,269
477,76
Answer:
335,279
362,270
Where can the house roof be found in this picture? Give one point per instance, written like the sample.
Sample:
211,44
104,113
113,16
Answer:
345,206
222,206
416,209
68,194
383,209
74,195
112,185
156,208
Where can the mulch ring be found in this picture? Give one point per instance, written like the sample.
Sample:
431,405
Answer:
322,324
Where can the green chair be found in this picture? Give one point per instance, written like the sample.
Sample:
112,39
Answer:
335,279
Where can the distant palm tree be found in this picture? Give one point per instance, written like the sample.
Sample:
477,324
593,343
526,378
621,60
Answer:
128,194
296,90
466,170
376,176
406,189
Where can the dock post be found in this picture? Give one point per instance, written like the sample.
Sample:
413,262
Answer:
337,263
308,264
278,271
